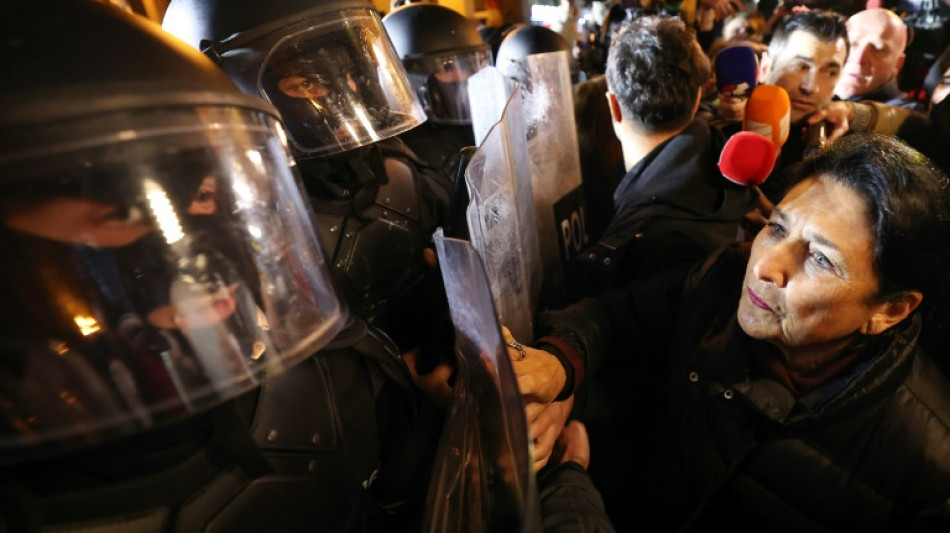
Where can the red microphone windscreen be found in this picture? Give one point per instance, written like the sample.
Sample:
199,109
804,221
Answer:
768,113
747,158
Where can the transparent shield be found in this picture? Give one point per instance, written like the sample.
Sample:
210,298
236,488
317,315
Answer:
555,164
152,273
482,478
338,84
501,215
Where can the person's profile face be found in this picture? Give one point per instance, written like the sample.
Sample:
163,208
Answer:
942,89
310,87
81,221
810,280
204,310
877,51
451,72
808,69
303,87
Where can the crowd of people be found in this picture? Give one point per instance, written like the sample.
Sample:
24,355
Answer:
687,433
224,309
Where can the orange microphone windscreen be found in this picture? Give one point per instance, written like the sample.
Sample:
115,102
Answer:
767,113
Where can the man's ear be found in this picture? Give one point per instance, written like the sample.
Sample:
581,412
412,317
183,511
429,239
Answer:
900,64
765,66
892,312
699,98
614,107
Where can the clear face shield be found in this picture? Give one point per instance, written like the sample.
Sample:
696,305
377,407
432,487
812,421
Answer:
441,81
338,84
151,273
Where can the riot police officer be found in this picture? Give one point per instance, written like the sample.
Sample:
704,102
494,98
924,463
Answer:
527,39
331,71
440,49
164,293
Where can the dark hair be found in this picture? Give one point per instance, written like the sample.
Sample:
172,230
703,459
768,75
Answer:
655,67
601,154
827,26
908,203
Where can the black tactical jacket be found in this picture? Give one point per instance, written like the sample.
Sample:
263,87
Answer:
722,445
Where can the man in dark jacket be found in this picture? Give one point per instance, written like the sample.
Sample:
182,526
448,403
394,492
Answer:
805,57
673,205
795,392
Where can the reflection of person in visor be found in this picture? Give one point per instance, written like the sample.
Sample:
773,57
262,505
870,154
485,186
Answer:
321,97
80,221
324,96
448,91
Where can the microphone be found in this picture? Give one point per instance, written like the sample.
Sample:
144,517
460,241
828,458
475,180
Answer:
747,158
768,113
736,69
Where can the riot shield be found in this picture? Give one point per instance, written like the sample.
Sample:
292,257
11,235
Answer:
501,215
555,165
482,479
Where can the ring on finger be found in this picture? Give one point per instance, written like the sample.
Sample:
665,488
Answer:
520,347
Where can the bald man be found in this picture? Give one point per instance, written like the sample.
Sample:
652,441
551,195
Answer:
877,40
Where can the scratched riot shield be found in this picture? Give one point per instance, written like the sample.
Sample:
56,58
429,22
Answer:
501,215
545,81
482,480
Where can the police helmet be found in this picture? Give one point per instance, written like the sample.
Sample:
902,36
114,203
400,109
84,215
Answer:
440,49
158,258
525,40
327,66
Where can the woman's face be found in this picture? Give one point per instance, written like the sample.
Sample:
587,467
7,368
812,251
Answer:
810,284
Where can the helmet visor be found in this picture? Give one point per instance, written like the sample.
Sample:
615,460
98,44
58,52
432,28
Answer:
151,272
339,85
441,81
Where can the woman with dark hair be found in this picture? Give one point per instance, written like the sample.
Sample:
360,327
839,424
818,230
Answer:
795,393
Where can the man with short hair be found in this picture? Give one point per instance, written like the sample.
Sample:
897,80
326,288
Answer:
671,207
878,38
673,204
804,57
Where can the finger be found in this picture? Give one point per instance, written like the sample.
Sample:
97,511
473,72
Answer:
755,218
410,359
839,130
430,257
544,445
575,444
817,116
551,418
533,411
540,463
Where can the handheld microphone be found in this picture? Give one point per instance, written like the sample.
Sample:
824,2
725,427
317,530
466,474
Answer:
747,158
736,70
768,113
